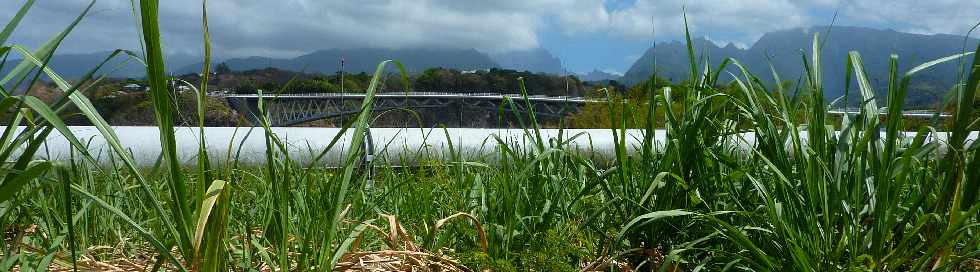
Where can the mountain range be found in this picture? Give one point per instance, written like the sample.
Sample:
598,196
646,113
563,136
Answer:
363,60
76,65
537,60
597,75
785,49
322,61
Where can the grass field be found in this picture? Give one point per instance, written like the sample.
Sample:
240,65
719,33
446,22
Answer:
858,198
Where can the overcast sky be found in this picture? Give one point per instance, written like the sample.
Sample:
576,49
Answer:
585,34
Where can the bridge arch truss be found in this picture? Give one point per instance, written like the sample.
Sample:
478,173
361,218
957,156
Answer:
294,109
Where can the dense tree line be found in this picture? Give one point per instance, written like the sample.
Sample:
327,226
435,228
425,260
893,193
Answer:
122,105
497,80
434,80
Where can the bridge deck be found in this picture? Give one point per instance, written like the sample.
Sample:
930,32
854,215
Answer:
296,108
292,109
488,96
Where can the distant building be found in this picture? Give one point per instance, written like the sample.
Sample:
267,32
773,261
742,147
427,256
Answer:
132,87
474,71
173,85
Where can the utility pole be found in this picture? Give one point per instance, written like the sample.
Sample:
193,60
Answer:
341,74
343,118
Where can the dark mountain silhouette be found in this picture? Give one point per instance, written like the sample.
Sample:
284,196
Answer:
671,60
786,48
364,60
597,75
537,60
74,66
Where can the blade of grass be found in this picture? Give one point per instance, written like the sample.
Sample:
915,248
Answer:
14,21
161,249
211,197
163,112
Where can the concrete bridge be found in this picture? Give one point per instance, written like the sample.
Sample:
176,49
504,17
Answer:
293,109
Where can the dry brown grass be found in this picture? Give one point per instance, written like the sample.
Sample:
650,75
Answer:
398,260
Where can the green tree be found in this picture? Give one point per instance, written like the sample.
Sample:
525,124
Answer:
222,68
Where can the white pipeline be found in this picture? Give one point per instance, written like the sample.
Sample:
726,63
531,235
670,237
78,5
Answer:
393,146
396,146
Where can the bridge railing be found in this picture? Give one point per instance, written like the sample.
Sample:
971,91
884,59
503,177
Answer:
493,95
906,113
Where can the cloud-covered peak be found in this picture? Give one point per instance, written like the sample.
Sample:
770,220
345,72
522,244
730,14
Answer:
290,28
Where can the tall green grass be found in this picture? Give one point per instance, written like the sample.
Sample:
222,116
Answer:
747,178
853,199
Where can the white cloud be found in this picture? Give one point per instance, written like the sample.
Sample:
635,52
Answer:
738,21
743,21
292,27
927,17
250,27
